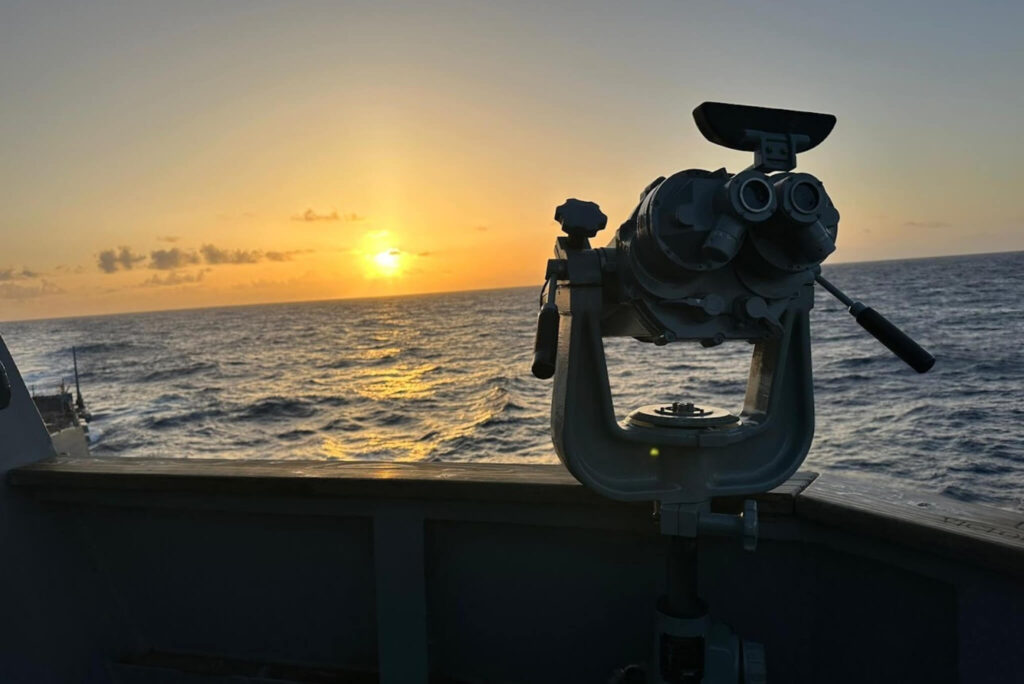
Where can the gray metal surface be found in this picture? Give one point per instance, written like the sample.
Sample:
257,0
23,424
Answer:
257,561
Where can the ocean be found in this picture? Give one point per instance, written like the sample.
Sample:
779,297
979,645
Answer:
446,378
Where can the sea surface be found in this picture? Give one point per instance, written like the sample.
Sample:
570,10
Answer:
446,378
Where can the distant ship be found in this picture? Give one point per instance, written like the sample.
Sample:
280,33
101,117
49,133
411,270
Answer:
66,417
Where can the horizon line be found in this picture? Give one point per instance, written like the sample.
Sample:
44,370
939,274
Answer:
420,294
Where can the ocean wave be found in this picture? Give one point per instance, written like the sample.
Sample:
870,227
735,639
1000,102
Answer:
97,348
341,362
276,408
961,493
343,424
170,374
181,419
294,435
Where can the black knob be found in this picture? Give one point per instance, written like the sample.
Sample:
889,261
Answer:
580,219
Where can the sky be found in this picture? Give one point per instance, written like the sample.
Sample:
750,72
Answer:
159,155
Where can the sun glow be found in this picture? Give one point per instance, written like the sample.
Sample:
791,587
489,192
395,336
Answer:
388,262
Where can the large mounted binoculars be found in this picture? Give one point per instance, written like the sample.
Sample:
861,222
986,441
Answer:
706,256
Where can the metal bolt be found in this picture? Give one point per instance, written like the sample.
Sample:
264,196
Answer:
683,408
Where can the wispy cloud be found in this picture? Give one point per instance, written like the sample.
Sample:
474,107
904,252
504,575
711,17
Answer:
353,217
285,256
16,291
176,278
168,238
311,216
174,258
169,259
216,255
112,260
926,224
482,229
13,273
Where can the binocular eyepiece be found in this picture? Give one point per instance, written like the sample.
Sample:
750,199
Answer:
785,207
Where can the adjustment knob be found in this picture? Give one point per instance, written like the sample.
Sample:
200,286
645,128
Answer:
580,219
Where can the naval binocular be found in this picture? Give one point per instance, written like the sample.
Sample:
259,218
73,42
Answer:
705,256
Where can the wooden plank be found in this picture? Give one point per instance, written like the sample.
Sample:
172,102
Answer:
458,481
980,535
378,470
777,502
991,537
498,482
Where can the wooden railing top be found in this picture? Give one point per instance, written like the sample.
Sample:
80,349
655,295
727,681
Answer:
988,536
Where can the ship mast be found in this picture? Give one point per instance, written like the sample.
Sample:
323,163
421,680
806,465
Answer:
78,390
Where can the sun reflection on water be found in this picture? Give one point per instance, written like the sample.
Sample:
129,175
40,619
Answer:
399,382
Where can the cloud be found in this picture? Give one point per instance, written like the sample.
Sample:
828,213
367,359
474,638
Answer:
168,238
216,255
111,260
12,273
424,254
285,256
310,216
176,278
170,259
926,224
482,229
15,291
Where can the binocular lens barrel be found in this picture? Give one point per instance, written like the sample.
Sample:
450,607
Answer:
805,197
801,197
755,195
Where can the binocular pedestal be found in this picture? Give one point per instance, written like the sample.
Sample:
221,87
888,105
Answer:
690,647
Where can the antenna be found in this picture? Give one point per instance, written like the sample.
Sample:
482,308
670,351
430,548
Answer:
78,390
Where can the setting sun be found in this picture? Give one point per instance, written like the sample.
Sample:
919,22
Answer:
388,261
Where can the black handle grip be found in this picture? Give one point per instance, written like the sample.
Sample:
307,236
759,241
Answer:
545,345
5,388
895,339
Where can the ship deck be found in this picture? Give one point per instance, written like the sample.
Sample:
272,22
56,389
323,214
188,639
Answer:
477,572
